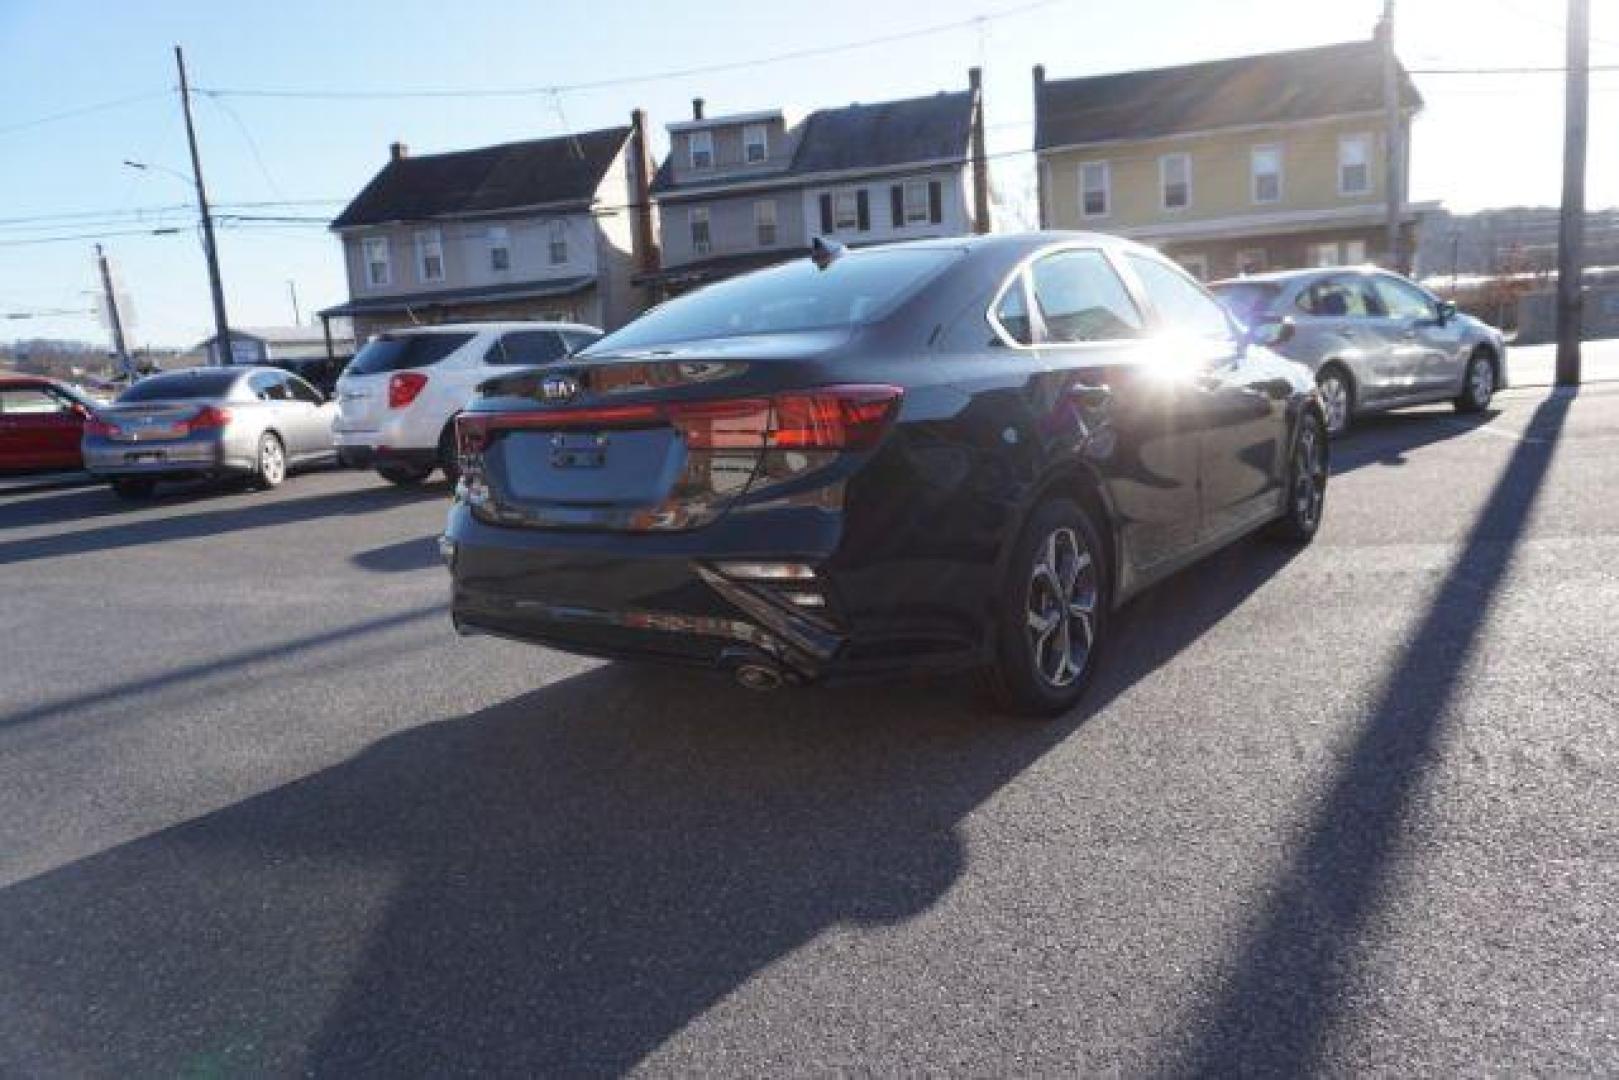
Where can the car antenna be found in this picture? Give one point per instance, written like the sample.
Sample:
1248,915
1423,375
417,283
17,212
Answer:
824,252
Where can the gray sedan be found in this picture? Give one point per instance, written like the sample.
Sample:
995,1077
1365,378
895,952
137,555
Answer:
1374,339
253,422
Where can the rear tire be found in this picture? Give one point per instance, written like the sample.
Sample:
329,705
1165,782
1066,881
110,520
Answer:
1478,386
270,463
448,462
132,488
1053,613
1306,490
402,475
1337,399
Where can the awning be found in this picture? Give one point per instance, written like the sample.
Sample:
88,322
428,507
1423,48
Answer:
527,290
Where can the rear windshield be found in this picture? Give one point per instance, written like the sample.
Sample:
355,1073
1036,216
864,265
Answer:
181,386
1247,299
858,288
397,352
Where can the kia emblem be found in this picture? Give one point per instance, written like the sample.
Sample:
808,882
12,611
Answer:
559,388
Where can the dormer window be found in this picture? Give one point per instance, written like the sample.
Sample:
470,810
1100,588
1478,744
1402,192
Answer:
702,149
755,144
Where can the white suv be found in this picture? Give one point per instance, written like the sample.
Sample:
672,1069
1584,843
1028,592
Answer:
397,400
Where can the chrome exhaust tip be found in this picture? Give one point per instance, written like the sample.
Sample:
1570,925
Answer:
758,677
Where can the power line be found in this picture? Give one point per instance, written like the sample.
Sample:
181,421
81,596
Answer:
83,110
631,80
174,231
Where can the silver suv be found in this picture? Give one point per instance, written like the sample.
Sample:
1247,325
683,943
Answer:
1374,339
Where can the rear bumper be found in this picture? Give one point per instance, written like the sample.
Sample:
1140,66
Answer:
182,457
656,597
362,456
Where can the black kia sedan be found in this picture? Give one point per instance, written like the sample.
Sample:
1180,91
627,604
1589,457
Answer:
931,454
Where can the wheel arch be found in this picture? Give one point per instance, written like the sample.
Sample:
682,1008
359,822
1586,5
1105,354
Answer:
1078,481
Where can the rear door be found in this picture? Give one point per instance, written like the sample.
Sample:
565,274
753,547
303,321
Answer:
1103,375
1235,397
1345,324
39,429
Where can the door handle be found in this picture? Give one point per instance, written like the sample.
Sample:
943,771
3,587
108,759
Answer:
1091,396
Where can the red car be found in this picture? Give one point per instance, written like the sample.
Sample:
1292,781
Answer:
41,424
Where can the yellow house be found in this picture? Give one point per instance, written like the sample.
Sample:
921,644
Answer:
1230,166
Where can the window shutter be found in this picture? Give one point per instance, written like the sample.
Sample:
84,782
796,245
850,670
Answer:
935,201
862,210
896,204
826,214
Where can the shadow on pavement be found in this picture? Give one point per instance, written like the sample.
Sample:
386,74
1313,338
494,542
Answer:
133,529
1280,1002
555,884
418,553
1387,438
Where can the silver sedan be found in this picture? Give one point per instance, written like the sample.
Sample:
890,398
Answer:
1375,340
253,422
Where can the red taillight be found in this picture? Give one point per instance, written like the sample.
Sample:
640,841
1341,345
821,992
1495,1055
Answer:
209,416
827,418
403,388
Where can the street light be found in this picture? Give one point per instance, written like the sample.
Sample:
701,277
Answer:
147,167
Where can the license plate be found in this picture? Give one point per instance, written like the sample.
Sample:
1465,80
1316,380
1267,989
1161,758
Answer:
139,456
578,451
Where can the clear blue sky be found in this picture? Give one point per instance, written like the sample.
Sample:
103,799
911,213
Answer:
1481,142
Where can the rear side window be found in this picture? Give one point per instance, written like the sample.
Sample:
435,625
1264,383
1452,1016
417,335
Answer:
400,352
1181,303
527,347
182,386
269,386
1012,312
1081,298
1340,296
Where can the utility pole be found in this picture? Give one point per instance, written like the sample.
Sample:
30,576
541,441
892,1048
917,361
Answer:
114,319
292,290
1393,144
1571,231
221,324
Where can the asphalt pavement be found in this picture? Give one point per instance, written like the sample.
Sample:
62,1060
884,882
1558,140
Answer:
1346,810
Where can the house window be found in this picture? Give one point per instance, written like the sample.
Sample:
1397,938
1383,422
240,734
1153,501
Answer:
559,243
1251,261
1324,254
846,211
700,241
702,149
1354,164
500,248
755,144
916,202
764,222
1354,252
1196,264
376,261
1265,164
1175,178
430,255
1095,189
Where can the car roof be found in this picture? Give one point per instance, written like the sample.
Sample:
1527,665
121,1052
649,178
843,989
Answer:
16,382
502,326
1288,277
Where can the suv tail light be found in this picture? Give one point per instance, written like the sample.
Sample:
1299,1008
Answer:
209,416
826,418
403,388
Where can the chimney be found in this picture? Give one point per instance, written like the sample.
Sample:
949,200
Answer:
642,237
975,83
696,108
398,151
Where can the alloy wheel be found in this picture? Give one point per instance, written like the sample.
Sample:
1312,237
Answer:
1061,607
1481,382
1309,475
1335,402
272,461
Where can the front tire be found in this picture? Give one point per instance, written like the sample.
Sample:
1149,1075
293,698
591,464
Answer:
270,465
1052,614
1478,387
1337,399
1306,483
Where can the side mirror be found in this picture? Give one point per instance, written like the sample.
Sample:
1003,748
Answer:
1447,311
1272,333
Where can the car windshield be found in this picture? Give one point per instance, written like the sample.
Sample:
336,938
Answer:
399,352
1247,299
857,288
181,386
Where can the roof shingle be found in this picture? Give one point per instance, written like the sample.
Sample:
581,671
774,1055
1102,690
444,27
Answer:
566,168
1302,84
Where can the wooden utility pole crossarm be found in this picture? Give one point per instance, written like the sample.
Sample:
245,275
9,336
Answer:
210,249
